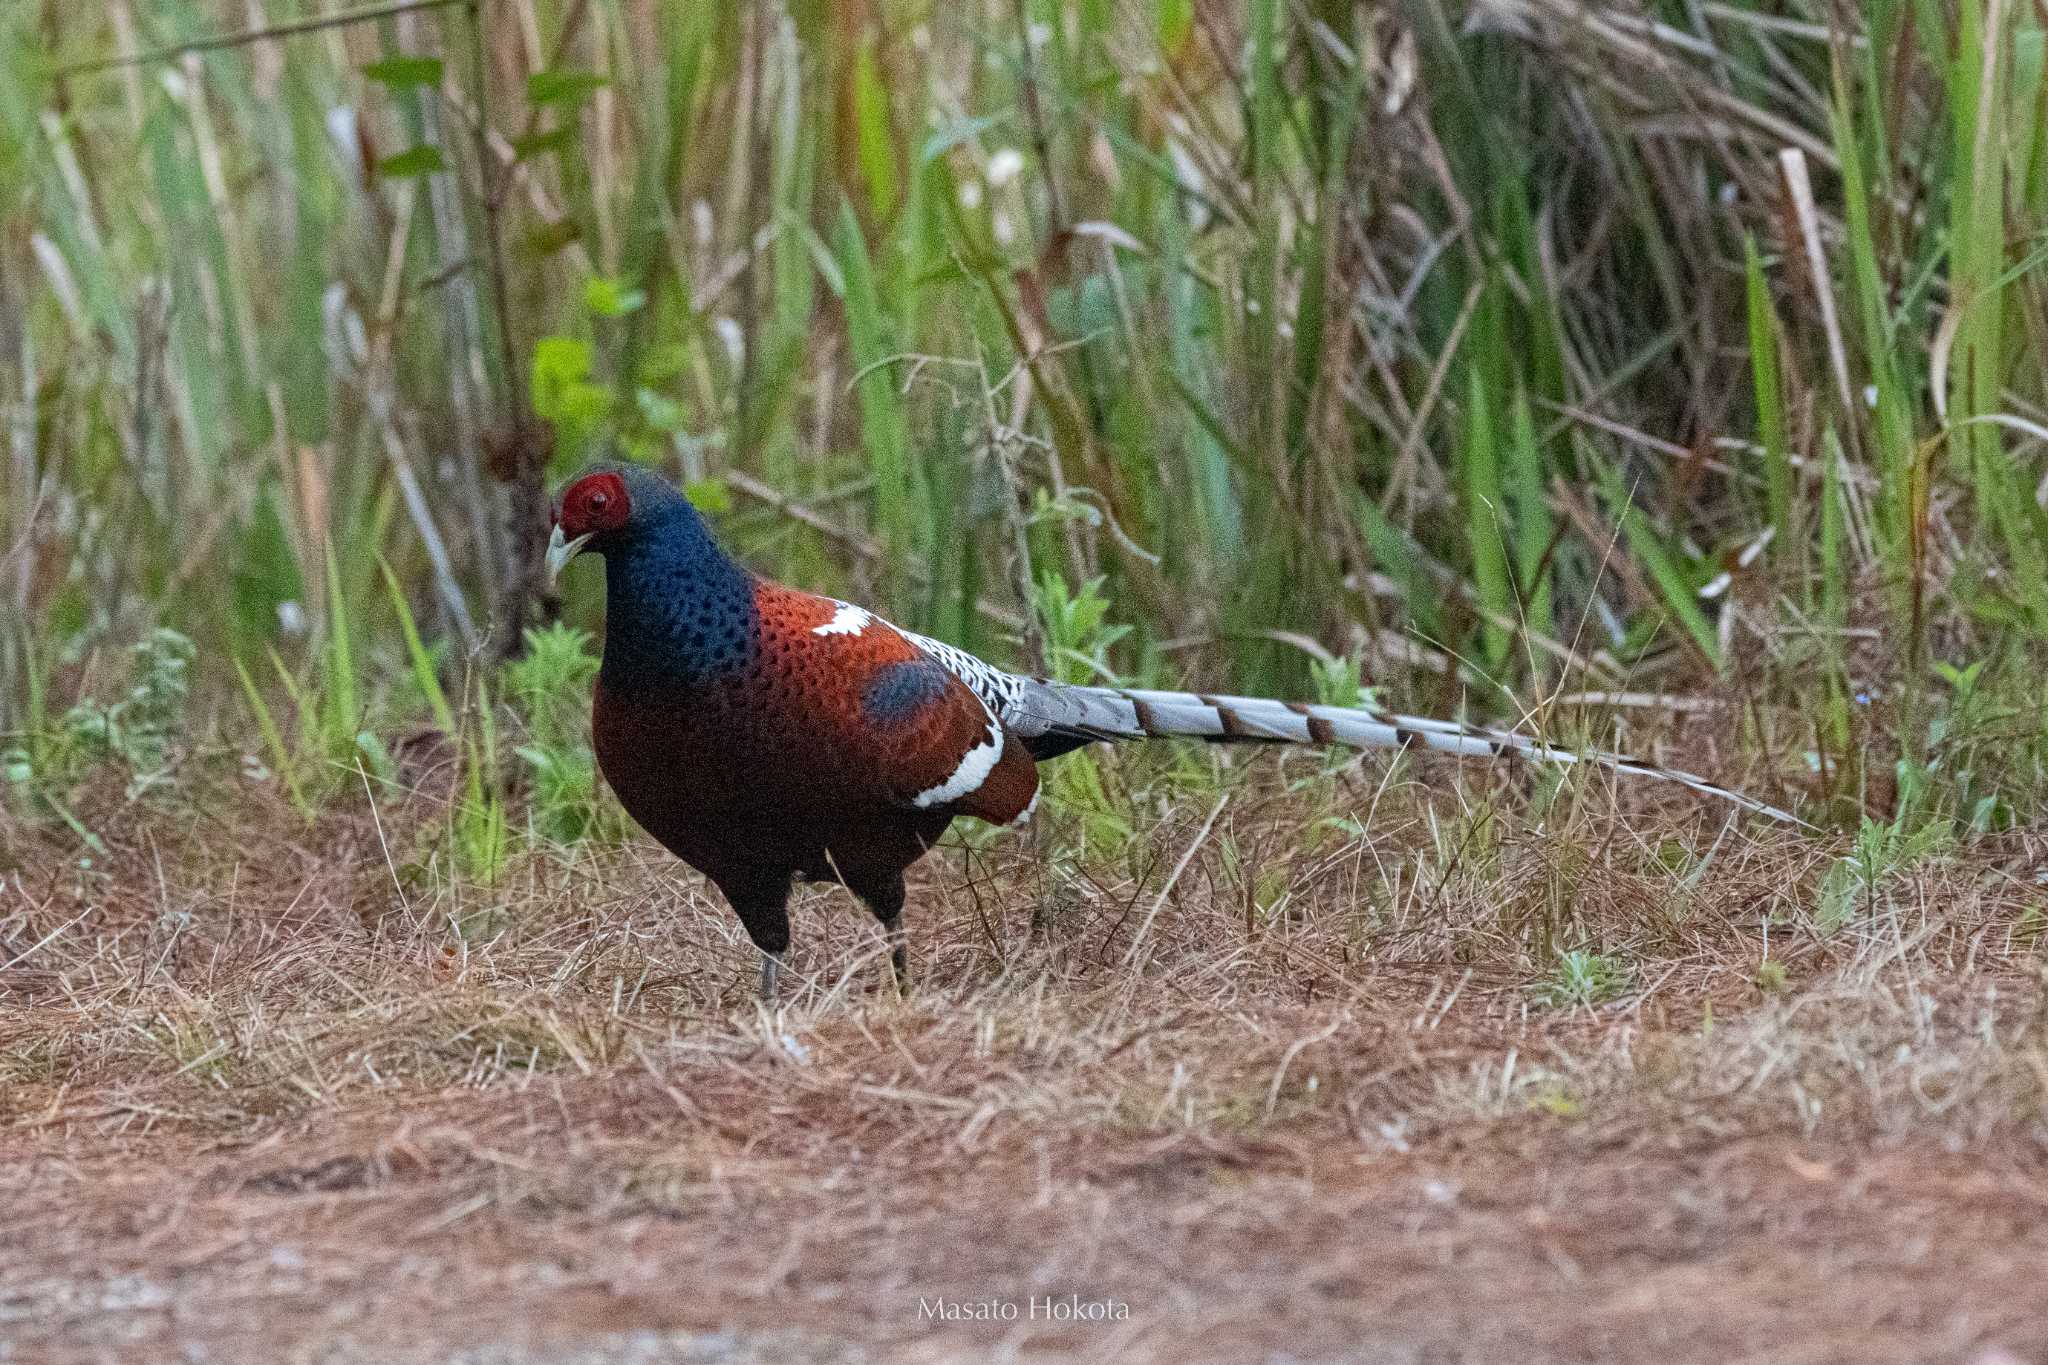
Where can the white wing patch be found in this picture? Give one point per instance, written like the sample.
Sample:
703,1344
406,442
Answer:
975,766
848,620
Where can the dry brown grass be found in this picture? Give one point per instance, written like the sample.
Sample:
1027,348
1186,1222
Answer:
275,1094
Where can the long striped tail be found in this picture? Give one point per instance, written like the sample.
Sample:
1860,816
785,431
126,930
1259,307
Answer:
1054,717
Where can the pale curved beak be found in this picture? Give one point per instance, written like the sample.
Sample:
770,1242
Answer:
561,551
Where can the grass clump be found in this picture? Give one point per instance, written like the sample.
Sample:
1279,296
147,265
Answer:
140,732
550,685
1582,978
1857,883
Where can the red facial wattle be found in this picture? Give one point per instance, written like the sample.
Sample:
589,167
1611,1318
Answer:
591,506
595,504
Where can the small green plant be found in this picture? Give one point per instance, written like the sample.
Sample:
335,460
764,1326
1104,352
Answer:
142,727
1336,682
1583,977
1883,850
1771,977
332,739
282,759
477,823
1964,739
1558,1102
1340,682
426,673
1078,638
548,685
139,731
1078,635
1263,884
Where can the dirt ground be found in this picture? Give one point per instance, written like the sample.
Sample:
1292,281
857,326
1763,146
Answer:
269,1099
400,1235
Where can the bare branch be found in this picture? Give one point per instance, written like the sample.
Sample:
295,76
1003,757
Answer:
253,35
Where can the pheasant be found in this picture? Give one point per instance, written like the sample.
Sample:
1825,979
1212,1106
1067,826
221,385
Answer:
763,734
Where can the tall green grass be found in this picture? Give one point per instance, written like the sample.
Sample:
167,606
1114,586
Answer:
1484,344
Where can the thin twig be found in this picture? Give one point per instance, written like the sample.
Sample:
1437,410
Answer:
864,546
288,29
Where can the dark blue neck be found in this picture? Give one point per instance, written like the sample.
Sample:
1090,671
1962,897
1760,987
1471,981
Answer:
678,612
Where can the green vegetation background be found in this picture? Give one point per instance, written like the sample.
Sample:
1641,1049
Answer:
1497,355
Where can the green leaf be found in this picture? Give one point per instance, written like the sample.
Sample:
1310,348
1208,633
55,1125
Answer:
1674,586
607,297
558,360
413,162
405,73
955,133
423,673
711,496
1486,509
875,142
566,87
885,425
374,756
661,413
549,238
540,144
1770,409
1523,480
563,392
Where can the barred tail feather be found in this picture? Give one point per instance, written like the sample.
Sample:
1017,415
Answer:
1050,709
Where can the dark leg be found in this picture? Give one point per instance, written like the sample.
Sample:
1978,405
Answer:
885,898
763,907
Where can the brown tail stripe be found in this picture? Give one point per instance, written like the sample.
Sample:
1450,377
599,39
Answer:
1233,724
1320,731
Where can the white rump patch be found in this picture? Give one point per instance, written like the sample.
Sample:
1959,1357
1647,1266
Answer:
848,620
975,766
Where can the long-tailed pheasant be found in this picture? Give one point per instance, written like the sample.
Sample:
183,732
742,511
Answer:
764,734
